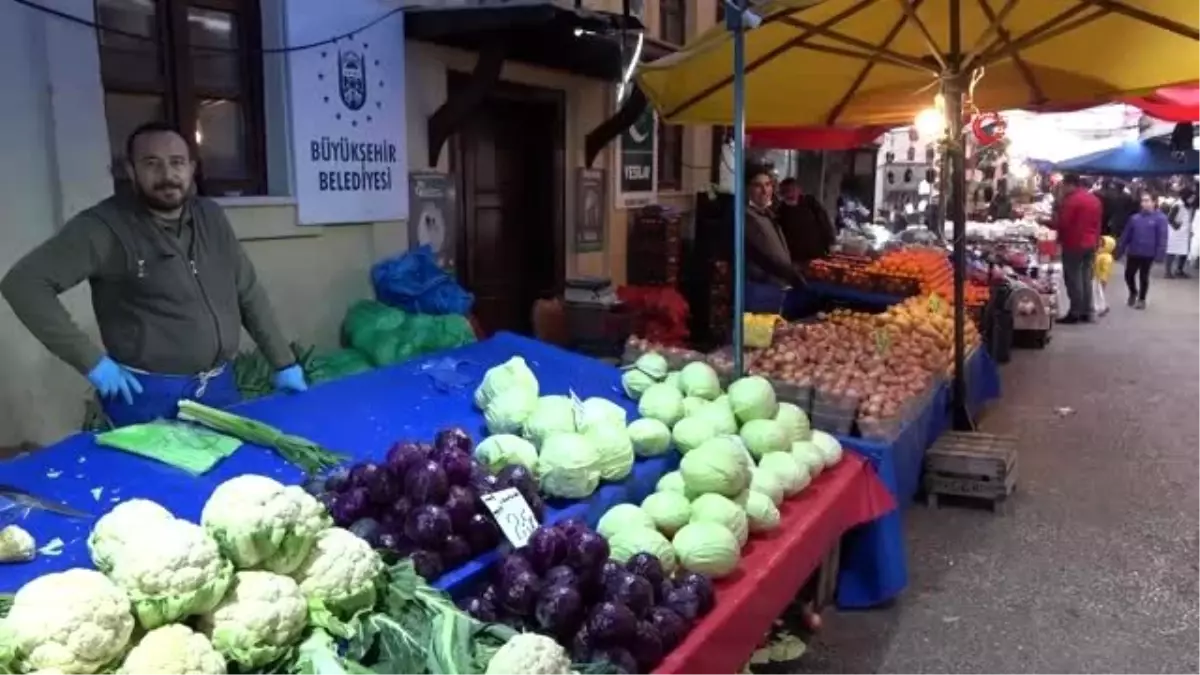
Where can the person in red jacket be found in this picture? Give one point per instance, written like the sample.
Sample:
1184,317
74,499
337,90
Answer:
1078,223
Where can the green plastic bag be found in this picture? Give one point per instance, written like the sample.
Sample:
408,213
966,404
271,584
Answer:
183,446
338,364
387,335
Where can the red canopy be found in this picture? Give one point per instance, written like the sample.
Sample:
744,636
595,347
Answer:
1171,104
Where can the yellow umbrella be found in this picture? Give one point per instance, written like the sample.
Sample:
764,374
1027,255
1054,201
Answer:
852,62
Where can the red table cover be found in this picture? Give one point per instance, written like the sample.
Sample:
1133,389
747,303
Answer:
774,567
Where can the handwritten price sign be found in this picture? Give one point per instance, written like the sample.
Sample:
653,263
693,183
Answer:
513,515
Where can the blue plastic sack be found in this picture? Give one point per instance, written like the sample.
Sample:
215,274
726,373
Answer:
414,283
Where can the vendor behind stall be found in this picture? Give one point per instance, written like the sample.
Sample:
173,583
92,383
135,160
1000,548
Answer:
806,227
768,261
171,290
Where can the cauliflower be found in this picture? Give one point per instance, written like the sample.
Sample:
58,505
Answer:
174,649
126,519
260,524
261,617
16,545
171,570
75,621
339,574
532,654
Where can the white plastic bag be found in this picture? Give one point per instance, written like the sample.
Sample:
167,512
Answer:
1099,302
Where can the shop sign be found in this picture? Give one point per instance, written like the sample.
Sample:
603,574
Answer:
347,112
433,214
636,183
591,209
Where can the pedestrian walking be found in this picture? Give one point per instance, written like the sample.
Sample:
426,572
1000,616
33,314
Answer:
1103,269
1143,242
1078,224
1179,237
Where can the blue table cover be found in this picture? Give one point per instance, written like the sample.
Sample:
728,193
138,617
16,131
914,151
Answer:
360,415
874,560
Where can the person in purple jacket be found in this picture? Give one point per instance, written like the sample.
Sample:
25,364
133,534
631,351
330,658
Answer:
1143,241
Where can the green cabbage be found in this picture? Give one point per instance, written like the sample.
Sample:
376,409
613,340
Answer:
623,517
808,456
503,449
693,405
600,412
615,449
669,511
713,508
761,513
507,412
650,437
831,449
719,466
768,483
721,416
763,436
671,482
787,469
635,382
673,380
653,364
662,402
691,432
753,398
633,540
795,421
568,466
551,415
700,380
706,548
512,374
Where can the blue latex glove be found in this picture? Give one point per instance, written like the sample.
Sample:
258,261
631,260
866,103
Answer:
111,378
291,379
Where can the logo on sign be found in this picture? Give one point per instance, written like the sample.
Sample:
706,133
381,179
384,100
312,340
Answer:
352,79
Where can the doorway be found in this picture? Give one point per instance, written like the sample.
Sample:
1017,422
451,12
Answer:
509,159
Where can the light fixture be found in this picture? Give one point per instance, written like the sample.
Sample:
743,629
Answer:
199,136
930,123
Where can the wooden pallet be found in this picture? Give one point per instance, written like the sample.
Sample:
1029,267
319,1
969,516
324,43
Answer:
974,465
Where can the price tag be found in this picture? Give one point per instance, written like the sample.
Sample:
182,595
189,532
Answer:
513,515
578,405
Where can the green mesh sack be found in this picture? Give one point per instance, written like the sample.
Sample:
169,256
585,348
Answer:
386,335
339,364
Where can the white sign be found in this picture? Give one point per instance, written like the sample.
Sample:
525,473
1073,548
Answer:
513,514
347,110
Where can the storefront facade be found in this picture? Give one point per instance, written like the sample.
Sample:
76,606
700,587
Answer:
72,97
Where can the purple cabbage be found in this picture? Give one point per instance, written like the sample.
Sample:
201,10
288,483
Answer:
546,548
648,566
618,657
367,529
561,575
587,551
671,627
460,504
383,487
481,532
519,594
402,456
510,566
457,466
573,527
337,480
479,608
352,505
559,610
454,438
683,601
428,525
702,586
455,551
663,590
519,477
610,569
611,623
581,646
482,481
491,595
646,647
427,564
426,483
630,590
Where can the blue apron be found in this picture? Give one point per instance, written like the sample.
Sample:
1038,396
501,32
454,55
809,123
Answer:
161,394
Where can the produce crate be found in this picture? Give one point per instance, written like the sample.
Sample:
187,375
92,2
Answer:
800,395
597,330
974,465
885,429
833,414
677,357
654,250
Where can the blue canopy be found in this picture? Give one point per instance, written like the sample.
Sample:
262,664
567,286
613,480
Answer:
1134,159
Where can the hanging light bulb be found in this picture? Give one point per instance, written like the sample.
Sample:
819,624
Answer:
930,123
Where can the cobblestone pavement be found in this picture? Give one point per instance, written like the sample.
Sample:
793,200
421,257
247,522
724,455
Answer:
1094,568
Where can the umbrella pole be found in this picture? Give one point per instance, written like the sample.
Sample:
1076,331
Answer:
733,21
956,182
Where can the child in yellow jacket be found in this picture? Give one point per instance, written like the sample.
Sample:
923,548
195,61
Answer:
1102,270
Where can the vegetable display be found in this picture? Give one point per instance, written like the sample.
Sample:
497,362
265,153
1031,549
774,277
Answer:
423,499
579,603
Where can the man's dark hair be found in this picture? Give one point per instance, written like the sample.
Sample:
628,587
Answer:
156,128
787,182
1072,179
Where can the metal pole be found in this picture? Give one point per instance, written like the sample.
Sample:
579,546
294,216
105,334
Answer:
956,182
733,21
821,181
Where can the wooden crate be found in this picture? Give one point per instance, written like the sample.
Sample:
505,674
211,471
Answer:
976,465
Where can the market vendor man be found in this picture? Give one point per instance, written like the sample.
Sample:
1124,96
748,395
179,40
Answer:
769,264
171,290
806,226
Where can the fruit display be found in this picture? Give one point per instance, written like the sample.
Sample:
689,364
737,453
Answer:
564,584
423,501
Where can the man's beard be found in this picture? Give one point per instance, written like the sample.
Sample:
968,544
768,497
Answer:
158,201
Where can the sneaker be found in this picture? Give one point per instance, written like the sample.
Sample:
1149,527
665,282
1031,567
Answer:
1141,304
1132,300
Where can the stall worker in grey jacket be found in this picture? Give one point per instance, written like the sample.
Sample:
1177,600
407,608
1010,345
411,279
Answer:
171,290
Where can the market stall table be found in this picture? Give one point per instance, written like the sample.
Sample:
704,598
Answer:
774,568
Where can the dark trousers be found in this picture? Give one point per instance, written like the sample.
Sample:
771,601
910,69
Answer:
1175,264
1137,269
1077,276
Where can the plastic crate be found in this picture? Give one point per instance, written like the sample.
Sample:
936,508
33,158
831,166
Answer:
833,414
598,330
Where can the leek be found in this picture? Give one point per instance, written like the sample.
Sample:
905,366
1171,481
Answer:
299,451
